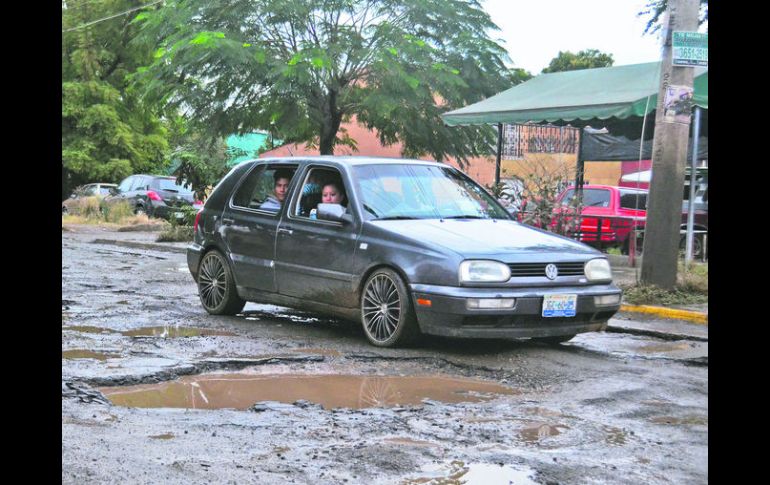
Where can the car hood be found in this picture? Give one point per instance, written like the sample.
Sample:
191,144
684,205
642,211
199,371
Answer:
503,240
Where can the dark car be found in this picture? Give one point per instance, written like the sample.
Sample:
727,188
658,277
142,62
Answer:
72,205
154,195
408,247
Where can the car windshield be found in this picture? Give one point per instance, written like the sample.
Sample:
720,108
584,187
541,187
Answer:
397,191
172,186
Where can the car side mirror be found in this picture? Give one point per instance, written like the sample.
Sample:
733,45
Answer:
334,212
113,191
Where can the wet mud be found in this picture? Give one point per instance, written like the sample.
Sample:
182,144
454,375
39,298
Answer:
155,390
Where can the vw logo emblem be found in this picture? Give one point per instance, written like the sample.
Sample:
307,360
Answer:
551,271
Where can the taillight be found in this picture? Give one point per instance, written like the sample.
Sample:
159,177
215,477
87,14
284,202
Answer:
197,218
153,195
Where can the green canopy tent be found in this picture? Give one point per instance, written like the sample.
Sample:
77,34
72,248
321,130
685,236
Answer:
617,98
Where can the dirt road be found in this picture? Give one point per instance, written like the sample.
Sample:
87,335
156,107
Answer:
154,390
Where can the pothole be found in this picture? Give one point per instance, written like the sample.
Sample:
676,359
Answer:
243,390
458,472
538,431
176,332
87,354
686,420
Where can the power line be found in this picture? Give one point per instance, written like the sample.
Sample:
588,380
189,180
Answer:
111,16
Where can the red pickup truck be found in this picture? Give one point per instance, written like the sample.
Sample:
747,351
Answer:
620,209
609,213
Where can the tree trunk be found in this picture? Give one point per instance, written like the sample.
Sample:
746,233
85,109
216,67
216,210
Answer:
330,124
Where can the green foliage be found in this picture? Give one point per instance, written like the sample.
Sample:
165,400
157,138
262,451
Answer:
656,8
108,132
541,187
587,59
201,161
300,68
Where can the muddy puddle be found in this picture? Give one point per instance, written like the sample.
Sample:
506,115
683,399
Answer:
457,472
538,431
86,329
87,354
176,332
243,390
160,331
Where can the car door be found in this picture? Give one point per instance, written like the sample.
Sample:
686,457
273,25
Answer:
315,258
249,224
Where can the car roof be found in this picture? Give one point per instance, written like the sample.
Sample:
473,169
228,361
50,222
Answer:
349,161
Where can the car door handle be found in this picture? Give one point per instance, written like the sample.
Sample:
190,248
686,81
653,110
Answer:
227,220
287,231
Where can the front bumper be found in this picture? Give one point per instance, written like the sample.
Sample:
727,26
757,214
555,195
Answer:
448,315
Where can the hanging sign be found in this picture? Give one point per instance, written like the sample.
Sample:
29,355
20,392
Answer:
690,49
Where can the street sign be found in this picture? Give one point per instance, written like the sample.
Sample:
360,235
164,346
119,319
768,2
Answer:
690,49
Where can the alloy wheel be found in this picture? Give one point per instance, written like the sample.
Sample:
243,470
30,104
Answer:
381,308
212,282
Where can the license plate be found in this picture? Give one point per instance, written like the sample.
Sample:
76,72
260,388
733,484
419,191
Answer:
179,215
559,305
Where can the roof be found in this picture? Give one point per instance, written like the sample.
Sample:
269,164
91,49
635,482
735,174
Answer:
603,93
349,160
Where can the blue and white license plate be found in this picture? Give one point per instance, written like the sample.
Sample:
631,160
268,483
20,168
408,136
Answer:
559,305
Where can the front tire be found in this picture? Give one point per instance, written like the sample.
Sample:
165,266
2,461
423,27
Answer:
216,286
387,315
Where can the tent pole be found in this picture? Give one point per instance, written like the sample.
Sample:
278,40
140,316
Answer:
579,169
499,153
693,178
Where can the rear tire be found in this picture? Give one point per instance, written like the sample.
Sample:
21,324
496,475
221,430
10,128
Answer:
387,315
216,286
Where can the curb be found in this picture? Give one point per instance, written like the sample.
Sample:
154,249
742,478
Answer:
672,313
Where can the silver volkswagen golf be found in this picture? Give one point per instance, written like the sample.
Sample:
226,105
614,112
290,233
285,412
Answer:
403,247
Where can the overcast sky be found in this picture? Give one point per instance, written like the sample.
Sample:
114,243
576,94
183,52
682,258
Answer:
534,31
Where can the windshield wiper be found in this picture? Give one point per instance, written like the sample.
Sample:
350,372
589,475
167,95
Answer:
464,217
395,218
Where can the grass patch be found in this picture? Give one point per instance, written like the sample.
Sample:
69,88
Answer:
118,213
691,288
176,234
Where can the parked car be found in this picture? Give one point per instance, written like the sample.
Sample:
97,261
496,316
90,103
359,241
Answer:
72,205
156,196
621,209
412,247
609,213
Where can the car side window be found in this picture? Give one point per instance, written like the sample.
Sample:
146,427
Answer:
321,185
264,188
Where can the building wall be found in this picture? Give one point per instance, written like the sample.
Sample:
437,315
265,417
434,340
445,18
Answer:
481,169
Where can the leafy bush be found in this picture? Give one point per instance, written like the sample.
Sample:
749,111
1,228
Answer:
176,234
118,212
88,207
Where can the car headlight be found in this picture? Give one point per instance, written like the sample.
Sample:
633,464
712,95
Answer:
598,269
484,272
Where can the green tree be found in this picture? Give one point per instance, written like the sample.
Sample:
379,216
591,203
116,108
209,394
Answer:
655,9
108,132
300,68
198,160
587,59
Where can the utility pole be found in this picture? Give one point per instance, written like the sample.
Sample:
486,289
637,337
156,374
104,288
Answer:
669,155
